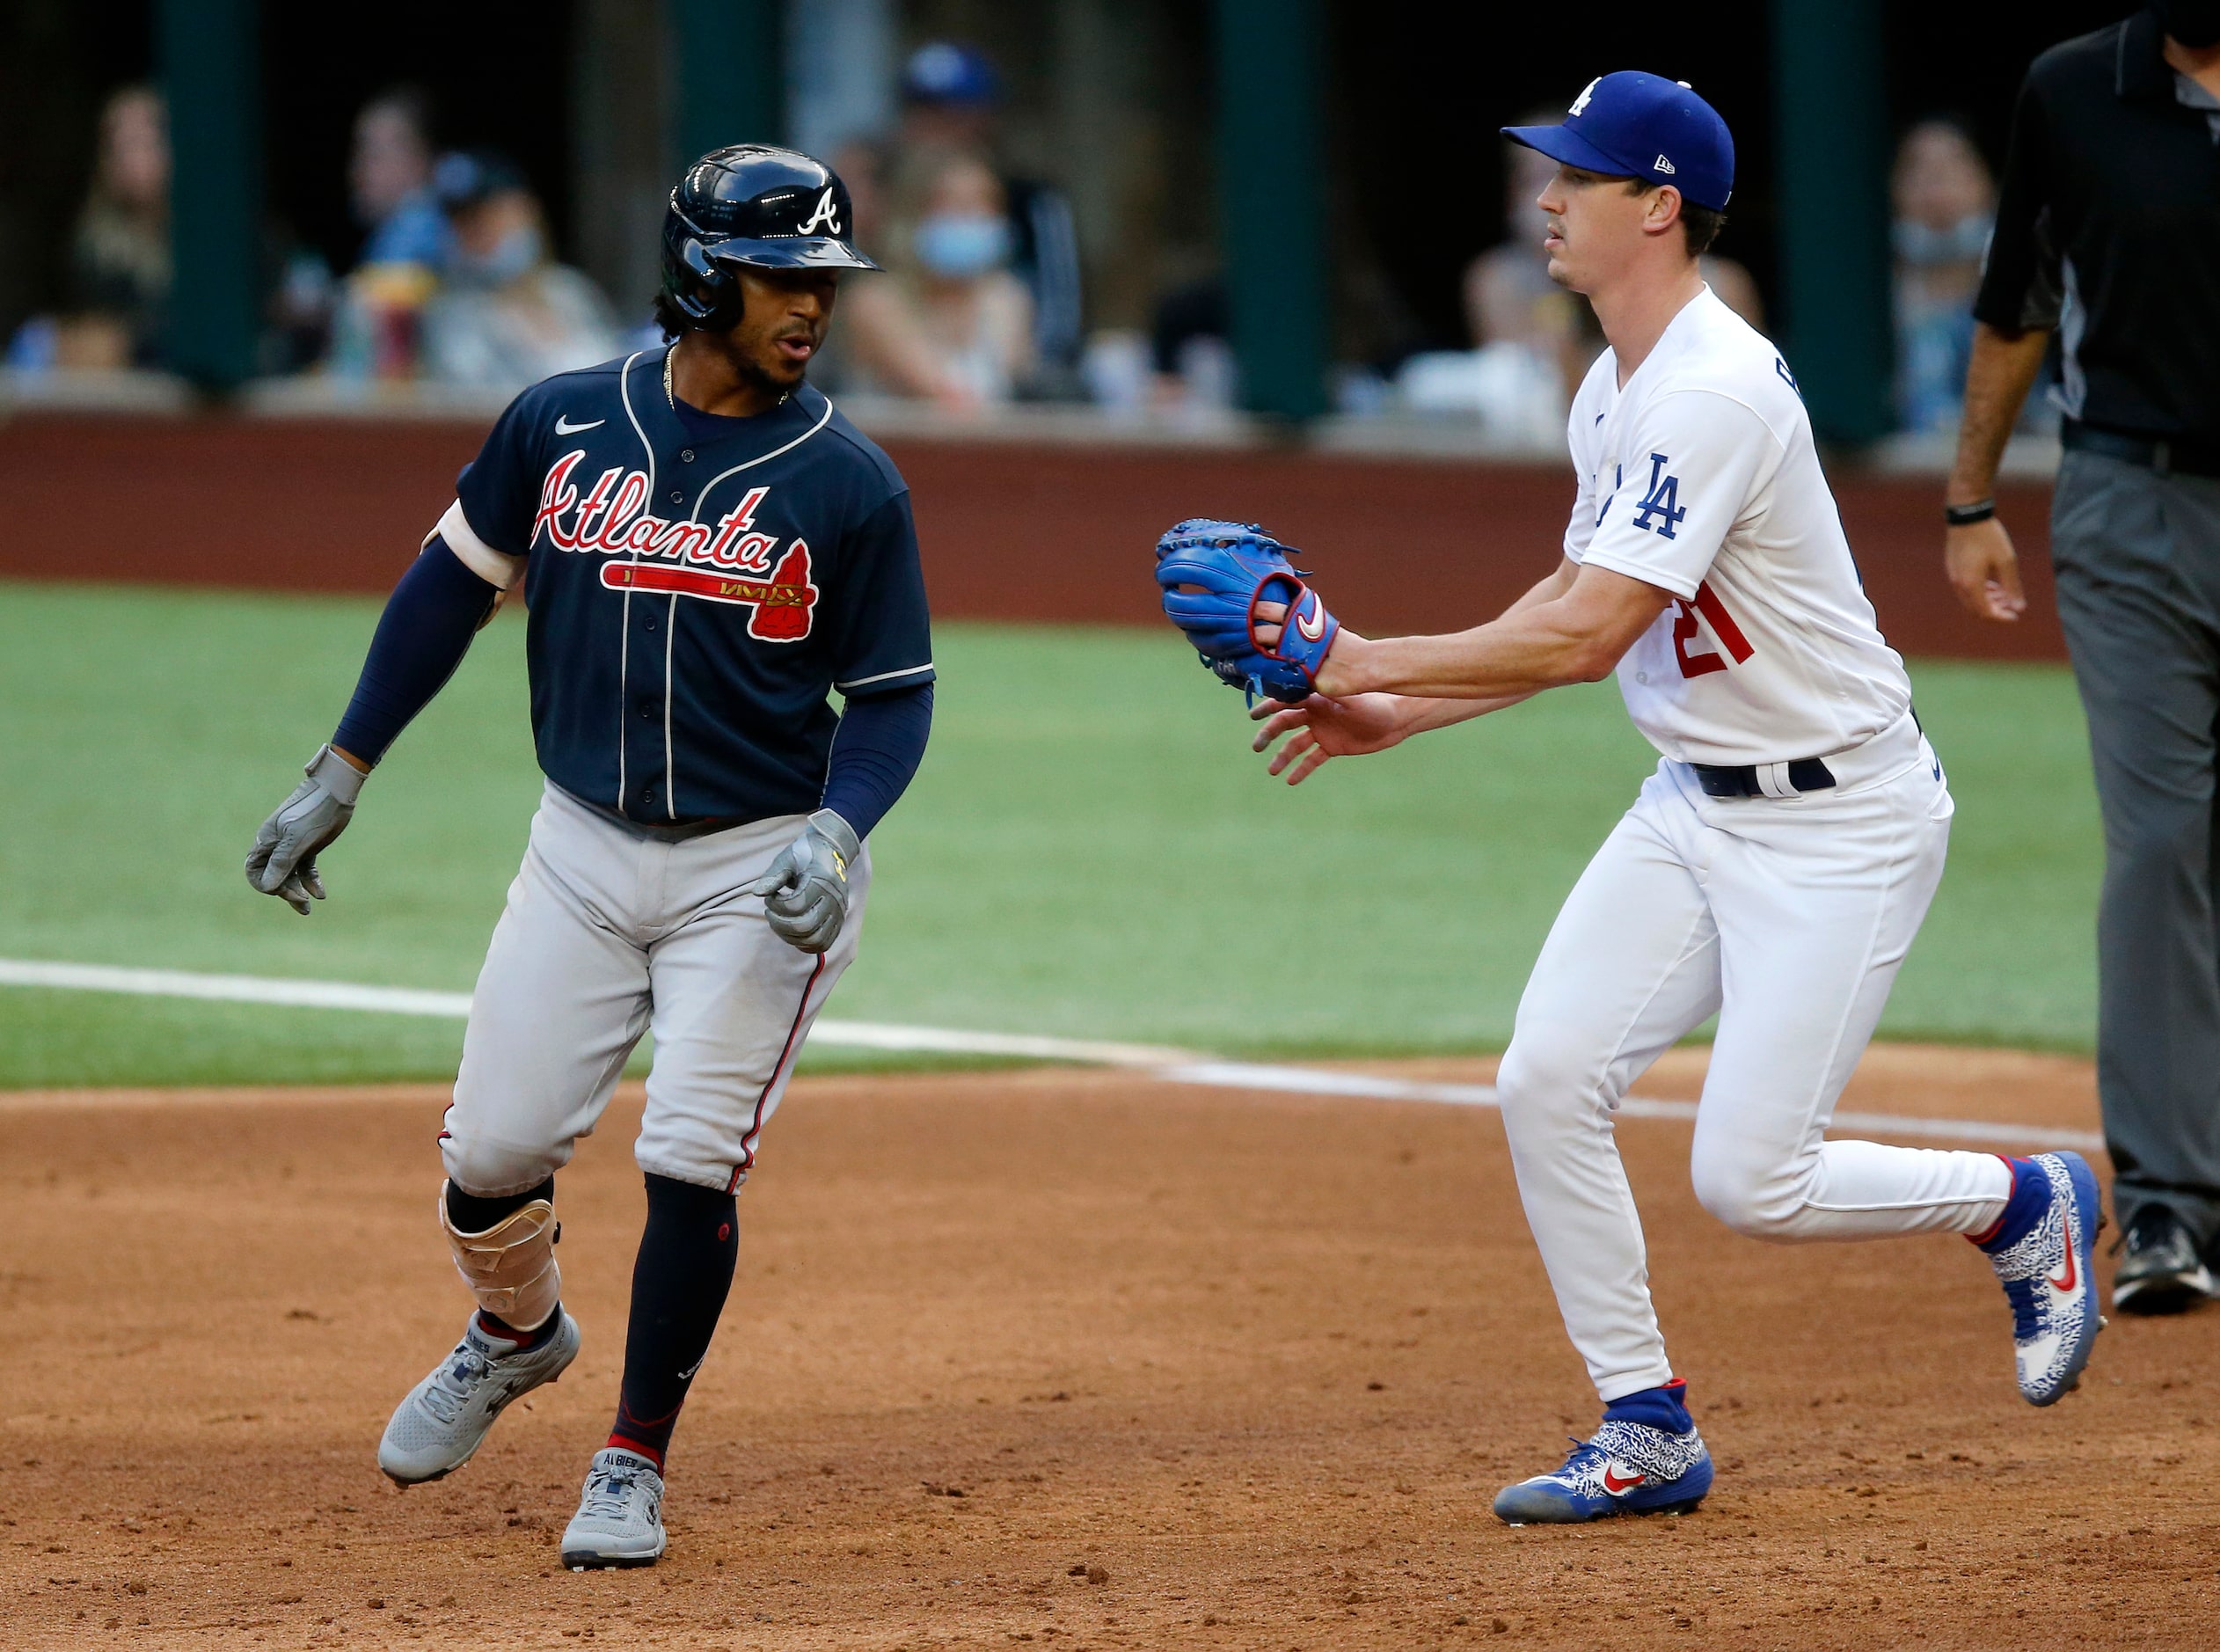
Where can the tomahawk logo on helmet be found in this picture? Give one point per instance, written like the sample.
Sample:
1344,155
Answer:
756,206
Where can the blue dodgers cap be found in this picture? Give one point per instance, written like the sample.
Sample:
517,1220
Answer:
1633,125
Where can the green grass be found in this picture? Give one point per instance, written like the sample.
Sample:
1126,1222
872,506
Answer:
1089,851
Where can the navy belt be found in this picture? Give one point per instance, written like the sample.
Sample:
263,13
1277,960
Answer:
2190,456
1805,774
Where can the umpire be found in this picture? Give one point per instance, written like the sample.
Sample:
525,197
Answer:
2108,235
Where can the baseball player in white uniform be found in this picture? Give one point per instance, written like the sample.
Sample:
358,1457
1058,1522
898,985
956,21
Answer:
1773,870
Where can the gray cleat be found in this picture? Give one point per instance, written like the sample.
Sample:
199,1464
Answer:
445,1417
620,1516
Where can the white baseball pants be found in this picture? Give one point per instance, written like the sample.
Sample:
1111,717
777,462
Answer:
1788,917
608,935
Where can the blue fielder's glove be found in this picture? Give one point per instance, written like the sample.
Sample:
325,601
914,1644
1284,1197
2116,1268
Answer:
1213,575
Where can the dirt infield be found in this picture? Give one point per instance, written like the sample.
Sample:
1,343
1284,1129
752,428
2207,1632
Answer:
1070,1358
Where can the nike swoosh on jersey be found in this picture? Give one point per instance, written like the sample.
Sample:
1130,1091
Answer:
565,428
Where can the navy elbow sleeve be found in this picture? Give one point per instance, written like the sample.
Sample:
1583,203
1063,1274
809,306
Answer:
422,637
875,755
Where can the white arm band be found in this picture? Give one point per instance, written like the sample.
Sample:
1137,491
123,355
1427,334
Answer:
497,569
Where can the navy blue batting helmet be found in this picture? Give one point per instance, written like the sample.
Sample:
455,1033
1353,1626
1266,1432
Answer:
757,205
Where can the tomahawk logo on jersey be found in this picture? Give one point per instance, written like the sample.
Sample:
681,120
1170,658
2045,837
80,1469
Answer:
1699,476
697,585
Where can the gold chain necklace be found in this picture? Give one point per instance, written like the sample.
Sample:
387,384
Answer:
670,394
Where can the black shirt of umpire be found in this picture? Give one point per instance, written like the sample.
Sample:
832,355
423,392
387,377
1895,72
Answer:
2109,229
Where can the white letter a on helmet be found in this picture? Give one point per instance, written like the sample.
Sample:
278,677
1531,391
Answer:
825,216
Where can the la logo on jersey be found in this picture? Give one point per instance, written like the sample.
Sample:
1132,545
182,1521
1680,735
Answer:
731,562
1660,510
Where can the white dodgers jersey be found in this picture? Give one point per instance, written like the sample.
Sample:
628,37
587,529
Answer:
1700,477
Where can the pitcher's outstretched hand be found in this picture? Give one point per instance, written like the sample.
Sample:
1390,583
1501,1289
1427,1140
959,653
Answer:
1321,728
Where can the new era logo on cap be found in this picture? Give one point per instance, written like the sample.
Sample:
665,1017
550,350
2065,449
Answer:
1620,121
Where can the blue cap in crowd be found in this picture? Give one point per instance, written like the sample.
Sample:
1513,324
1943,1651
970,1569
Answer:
1633,125
952,75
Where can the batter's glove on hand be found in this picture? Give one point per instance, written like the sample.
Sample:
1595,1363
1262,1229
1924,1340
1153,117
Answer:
282,861
806,890
1213,575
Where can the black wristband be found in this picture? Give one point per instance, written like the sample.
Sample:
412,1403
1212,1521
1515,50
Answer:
1965,515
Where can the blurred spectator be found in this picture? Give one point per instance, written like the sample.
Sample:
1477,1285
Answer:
1945,206
118,281
1191,350
1511,305
507,315
377,323
389,176
951,100
951,324
298,324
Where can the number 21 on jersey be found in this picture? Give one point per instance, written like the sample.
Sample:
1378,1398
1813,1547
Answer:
1685,631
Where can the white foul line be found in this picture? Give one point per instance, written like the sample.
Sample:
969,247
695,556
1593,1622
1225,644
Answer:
179,984
1312,1081
1163,1062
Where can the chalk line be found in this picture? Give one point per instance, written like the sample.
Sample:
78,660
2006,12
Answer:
1163,1062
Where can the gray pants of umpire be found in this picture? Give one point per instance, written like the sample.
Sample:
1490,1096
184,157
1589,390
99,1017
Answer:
2137,556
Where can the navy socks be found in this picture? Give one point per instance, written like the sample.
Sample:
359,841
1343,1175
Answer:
1665,1407
2030,1201
679,1284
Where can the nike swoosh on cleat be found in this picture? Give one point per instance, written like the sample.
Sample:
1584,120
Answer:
565,428
1614,1485
2073,1272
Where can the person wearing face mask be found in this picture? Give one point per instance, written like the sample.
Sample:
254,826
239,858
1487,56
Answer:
953,99
506,315
2108,236
955,326
1945,206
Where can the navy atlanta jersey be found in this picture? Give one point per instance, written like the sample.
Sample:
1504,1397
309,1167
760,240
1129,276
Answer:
693,596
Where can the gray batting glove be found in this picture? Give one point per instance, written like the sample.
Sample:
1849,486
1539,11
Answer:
806,890
282,861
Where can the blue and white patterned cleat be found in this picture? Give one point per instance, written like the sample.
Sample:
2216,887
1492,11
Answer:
1626,1469
2045,1279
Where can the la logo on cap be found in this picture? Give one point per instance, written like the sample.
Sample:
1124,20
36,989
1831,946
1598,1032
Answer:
1581,102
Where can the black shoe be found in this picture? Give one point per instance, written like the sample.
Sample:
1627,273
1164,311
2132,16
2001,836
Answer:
2161,1272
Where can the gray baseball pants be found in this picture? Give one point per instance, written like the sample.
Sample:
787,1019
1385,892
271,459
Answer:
611,933
2138,567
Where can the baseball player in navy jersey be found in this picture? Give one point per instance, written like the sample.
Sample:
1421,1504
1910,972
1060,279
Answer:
706,548
1776,867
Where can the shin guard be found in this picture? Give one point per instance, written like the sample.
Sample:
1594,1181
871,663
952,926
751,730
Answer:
510,1267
